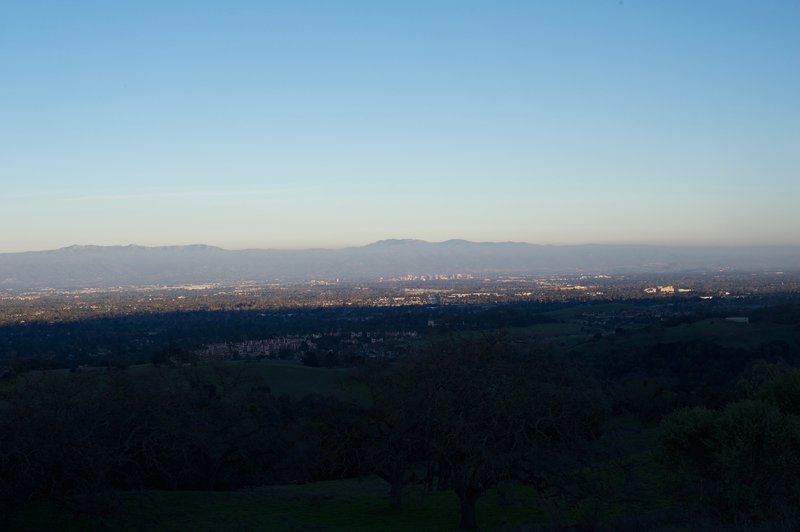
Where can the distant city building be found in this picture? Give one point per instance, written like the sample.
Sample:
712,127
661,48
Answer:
667,289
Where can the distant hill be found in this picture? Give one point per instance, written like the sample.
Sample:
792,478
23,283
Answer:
105,266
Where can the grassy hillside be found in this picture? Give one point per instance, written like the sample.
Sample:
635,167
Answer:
713,330
283,378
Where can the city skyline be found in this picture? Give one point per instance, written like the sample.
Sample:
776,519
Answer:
319,124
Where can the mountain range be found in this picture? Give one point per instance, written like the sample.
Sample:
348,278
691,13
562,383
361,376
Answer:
107,266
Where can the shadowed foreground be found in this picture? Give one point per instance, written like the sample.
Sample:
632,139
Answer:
335,505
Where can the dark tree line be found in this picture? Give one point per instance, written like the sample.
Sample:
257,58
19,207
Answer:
466,415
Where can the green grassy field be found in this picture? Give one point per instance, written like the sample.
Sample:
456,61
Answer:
551,329
717,330
296,380
283,378
713,330
621,490
725,333
576,311
345,505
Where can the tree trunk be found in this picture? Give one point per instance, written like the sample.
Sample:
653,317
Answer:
442,482
395,494
468,520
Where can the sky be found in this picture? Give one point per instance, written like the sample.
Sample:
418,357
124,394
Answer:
335,123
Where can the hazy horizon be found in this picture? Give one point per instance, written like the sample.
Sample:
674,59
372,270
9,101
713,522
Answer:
409,239
295,125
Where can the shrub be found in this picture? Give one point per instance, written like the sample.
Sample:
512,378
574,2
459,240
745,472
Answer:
739,464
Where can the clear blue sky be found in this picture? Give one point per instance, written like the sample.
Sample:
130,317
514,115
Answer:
332,123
